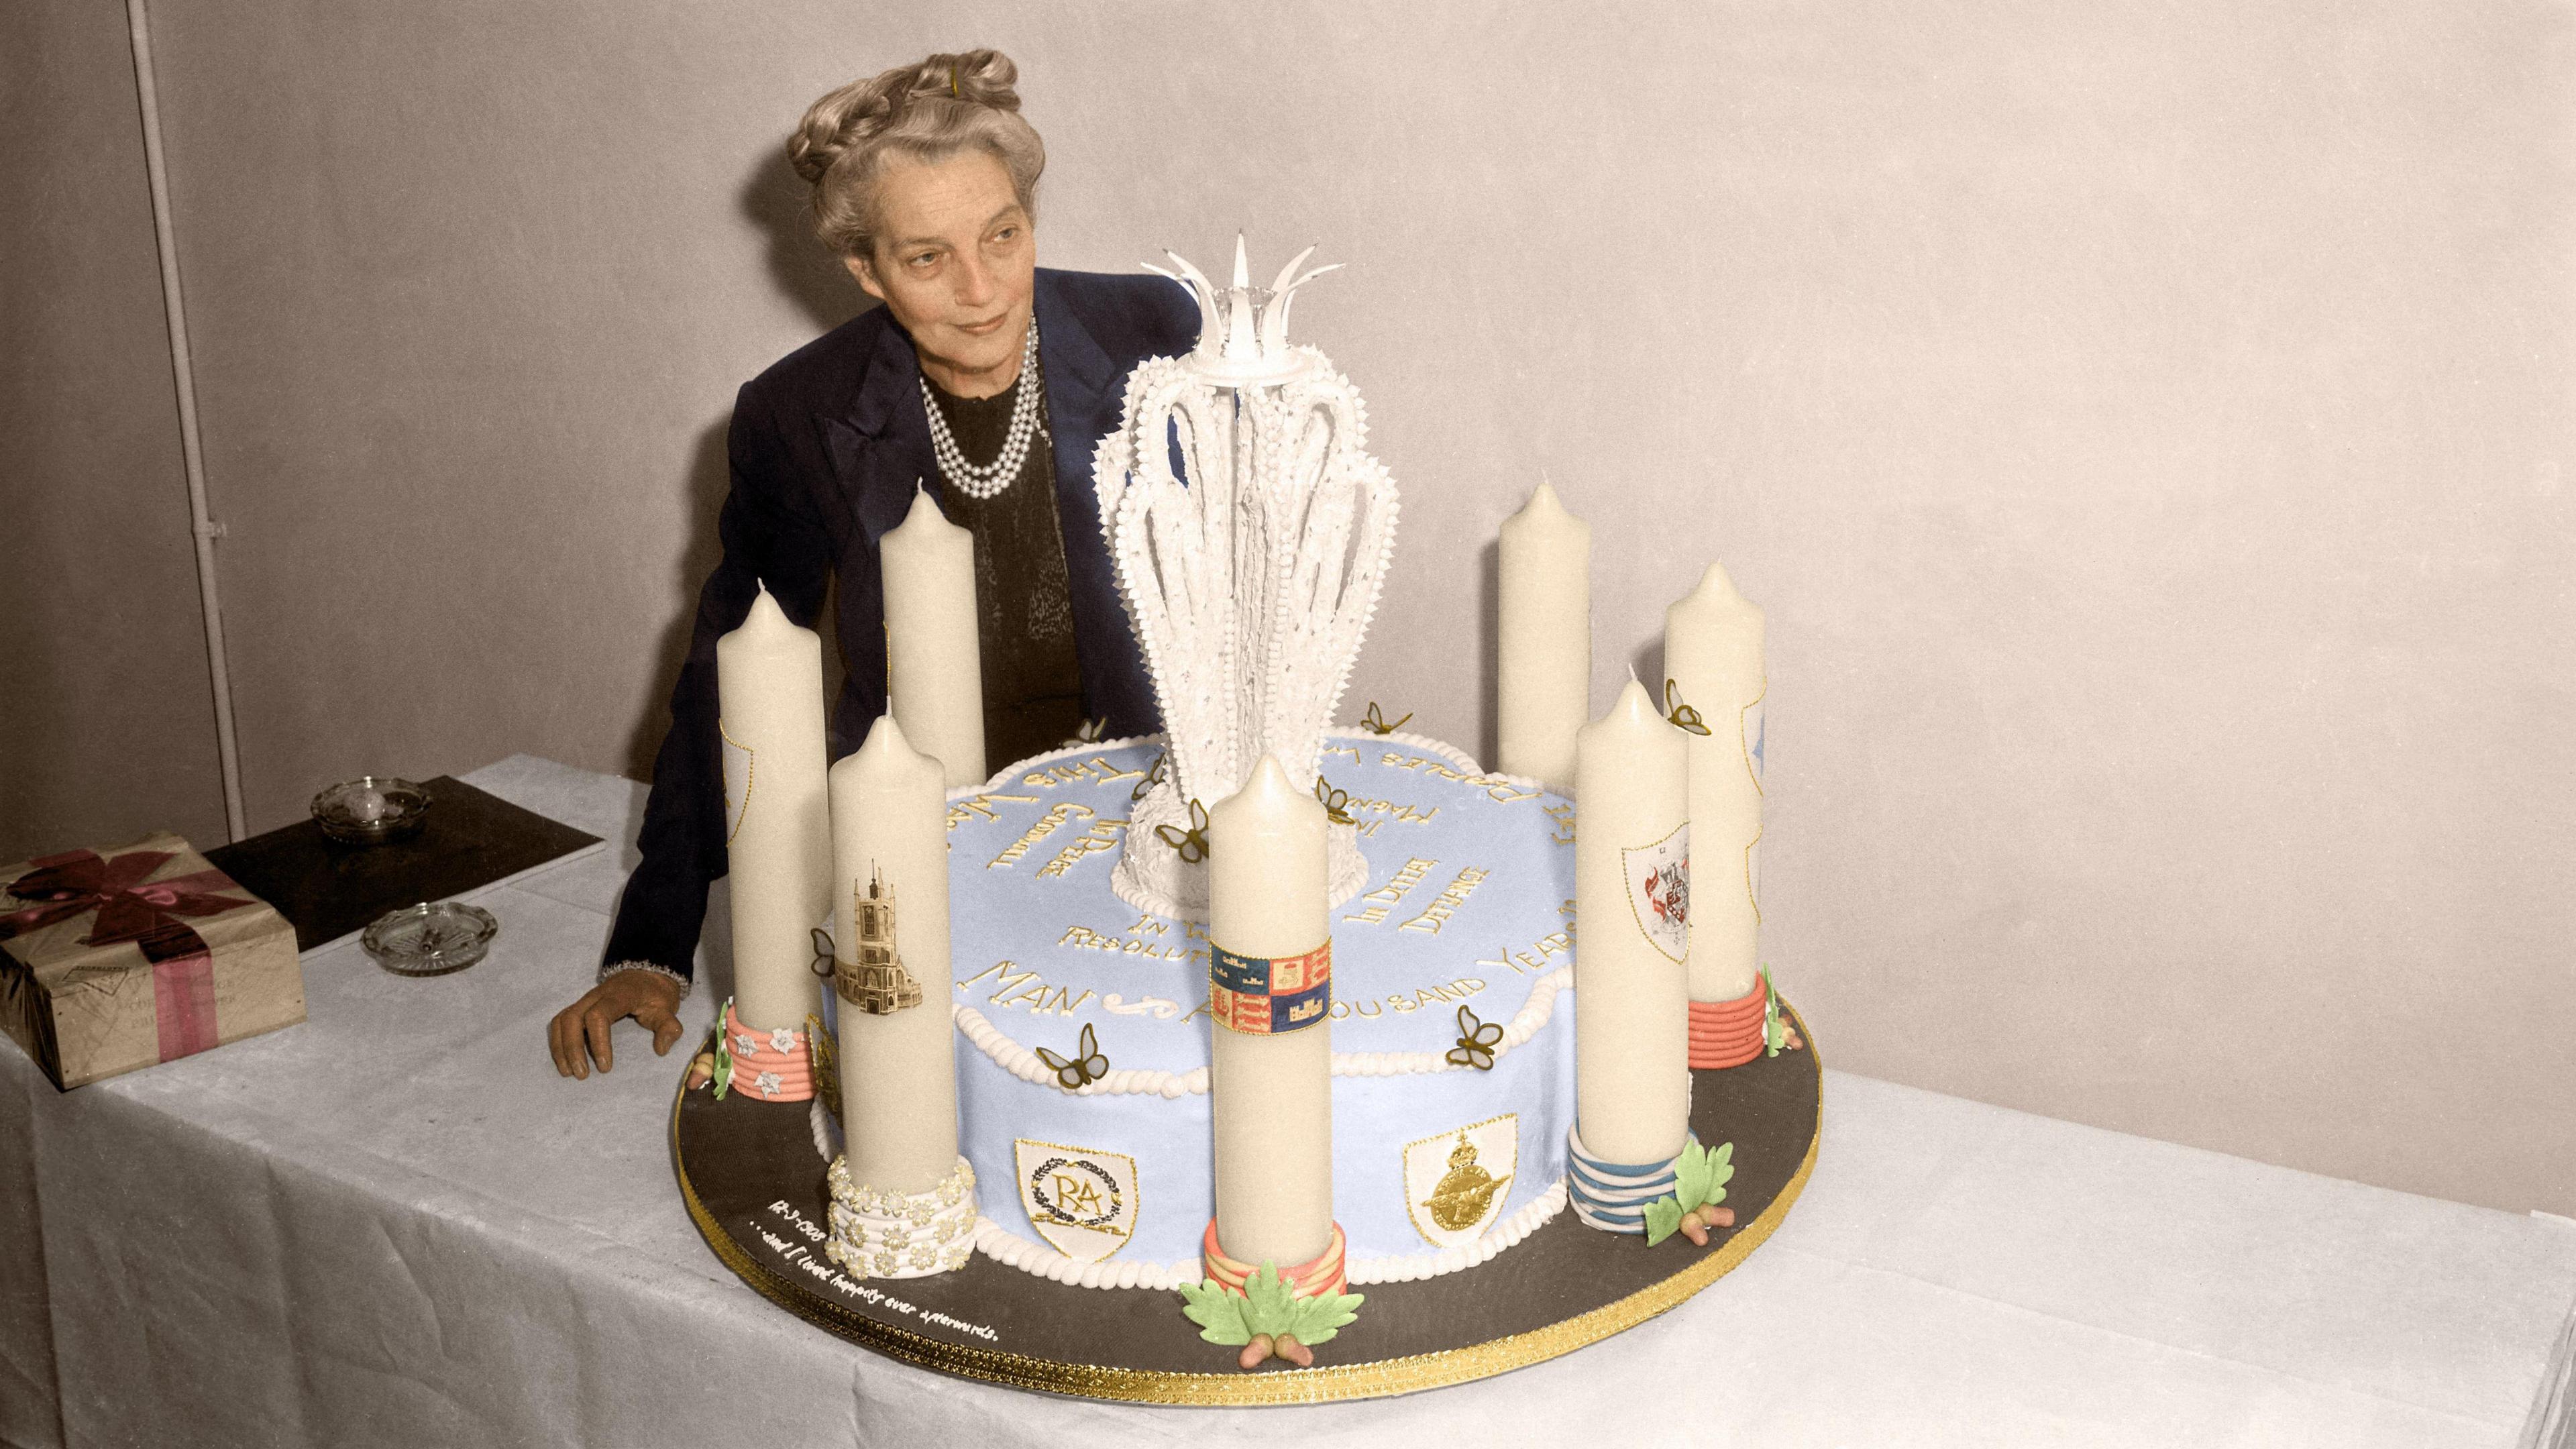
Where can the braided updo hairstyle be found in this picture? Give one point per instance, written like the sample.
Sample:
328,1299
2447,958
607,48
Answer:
924,112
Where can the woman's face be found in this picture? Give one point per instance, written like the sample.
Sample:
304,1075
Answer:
954,261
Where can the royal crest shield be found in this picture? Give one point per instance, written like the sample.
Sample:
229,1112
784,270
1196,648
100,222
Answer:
1455,1181
1659,890
737,782
1081,1200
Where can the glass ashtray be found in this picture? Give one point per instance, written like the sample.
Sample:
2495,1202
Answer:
372,810
430,939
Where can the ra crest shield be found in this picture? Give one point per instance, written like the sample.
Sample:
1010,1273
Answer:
1082,1201
1455,1181
1659,890
737,782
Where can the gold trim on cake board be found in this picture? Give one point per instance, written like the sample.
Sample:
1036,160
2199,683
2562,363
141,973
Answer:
1287,1386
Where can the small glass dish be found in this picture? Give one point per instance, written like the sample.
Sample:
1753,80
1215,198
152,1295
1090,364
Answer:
372,810
430,939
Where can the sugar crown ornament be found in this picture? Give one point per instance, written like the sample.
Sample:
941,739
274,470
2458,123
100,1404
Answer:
1243,329
1251,573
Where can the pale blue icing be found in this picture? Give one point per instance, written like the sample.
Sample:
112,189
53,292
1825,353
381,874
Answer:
1021,962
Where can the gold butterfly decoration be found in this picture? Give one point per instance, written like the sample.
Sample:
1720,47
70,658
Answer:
1090,733
1193,842
1476,1042
1336,802
1083,1068
1375,723
1154,774
824,954
1681,716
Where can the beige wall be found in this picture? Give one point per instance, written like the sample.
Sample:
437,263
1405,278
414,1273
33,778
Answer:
2145,425
106,715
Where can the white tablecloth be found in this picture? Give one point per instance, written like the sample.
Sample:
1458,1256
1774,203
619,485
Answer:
395,1225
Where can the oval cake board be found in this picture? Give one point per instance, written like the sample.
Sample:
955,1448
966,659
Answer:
754,1185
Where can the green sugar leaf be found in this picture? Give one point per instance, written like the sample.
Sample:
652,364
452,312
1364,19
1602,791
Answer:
1271,1308
1218,1314
1721,1170
1322,1316
1663,1219
1690,1176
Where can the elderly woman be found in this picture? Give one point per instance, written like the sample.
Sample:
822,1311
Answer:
983,377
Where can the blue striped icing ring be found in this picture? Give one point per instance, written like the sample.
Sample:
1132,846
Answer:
1613,1196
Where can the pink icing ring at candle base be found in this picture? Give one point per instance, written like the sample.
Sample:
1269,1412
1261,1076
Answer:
1727,1033
1325,1274
790,1073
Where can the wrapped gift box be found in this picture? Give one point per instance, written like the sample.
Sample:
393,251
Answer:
117,960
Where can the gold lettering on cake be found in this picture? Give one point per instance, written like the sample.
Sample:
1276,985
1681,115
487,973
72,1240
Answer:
1079,1194
1056,815
1384,898
981,806
1534,956
1015,988
1564,817
1096,769
1403,1002
1446,904
1083,938
1401,814
1496,787
1104,834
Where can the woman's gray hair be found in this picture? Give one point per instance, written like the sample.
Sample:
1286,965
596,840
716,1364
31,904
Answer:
924,112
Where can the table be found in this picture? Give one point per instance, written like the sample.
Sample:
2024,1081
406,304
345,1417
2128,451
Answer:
395,1225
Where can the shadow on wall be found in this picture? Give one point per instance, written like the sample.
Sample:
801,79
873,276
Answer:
805,272
777,200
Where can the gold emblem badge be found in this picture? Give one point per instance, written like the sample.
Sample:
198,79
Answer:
1455,1183
1081,1200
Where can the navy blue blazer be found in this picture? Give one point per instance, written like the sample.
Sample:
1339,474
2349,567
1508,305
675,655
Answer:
825,448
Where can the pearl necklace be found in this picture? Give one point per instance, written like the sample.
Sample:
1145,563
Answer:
1027,425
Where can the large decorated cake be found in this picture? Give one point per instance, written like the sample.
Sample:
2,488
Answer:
1261,1008
1450,1018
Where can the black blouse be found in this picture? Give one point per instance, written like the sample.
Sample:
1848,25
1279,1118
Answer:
1024,612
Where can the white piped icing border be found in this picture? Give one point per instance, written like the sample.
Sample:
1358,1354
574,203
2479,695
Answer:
1535,1013
1465,762
1006,1247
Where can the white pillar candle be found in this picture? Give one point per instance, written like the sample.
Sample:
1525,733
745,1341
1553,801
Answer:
1631,1014
1271,1093
1713,654
769,695
1544,639
898,1070
934,674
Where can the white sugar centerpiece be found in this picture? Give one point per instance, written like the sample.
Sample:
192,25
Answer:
1250,574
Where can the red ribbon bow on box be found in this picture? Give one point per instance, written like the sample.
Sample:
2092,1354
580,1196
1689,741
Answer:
130,909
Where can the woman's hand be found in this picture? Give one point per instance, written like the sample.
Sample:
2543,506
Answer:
579,1032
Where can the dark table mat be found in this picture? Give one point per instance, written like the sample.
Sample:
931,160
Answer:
327,890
